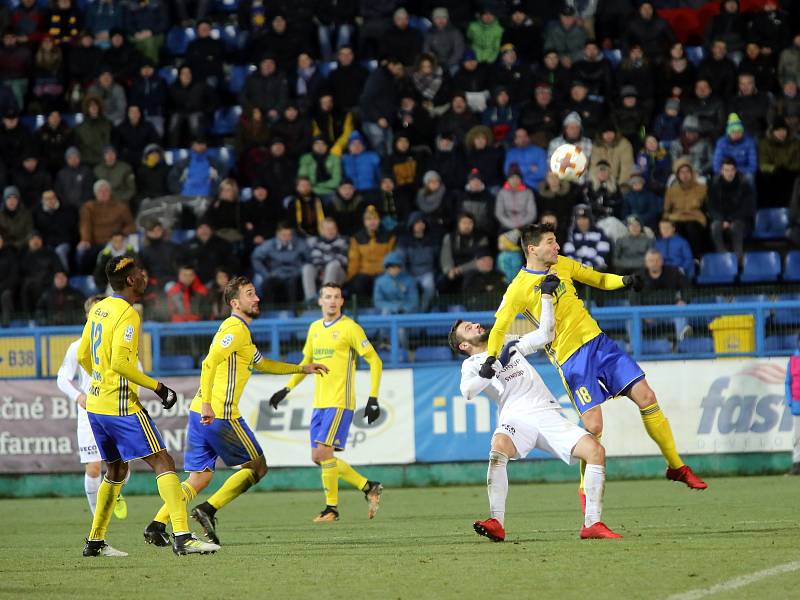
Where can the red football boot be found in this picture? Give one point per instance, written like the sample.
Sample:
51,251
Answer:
687,476
490,528
582,497
598,531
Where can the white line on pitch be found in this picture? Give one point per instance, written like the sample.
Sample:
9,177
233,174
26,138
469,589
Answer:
737,582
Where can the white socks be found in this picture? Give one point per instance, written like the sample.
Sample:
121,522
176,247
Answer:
91,485
594,482
497,484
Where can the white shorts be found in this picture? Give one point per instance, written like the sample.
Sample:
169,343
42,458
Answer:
547,430
87,446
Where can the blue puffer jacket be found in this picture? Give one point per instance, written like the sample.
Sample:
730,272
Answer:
395,294
532,163
420,254
364,169
744,152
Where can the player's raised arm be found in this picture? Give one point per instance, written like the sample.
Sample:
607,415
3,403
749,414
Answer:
602,281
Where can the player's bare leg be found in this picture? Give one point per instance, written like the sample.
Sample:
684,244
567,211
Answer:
658,429
592,421
593,455
497,486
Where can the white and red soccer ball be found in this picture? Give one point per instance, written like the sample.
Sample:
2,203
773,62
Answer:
568,162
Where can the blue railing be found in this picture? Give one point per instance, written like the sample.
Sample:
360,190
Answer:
270,333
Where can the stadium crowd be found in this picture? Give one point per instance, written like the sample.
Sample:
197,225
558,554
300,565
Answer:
394,147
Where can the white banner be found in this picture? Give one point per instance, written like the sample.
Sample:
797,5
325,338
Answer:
283,433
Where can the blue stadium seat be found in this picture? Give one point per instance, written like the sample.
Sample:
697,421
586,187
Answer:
179,362
785,342
421,24
238,76
432,354
294,357
791,266
84,284
789,317
178,39
656,346
742,298
325,67
456,308
181,235
232,37
72,120
761,267
696,345
370,65
694,54
718,268
17,323
33,122
225,120
168,74
246,194
226,6
771,224
225,156
173,155
613,55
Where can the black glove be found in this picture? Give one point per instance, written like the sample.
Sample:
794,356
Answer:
507,352
550,284
372,411
487,372
634,281
277,397
167,395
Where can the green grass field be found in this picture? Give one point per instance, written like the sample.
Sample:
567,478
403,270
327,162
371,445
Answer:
421,545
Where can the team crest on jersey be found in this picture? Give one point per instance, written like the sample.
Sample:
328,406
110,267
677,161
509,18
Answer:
129,333
226,340
335,335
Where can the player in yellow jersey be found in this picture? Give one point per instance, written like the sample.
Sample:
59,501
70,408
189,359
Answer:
336,341
216,427
592,367
108,351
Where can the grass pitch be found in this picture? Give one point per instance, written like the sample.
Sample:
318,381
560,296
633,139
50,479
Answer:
421,545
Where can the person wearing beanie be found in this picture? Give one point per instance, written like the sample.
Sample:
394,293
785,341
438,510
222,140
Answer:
739,146
572,133
365,256
16,221
691,145
435,201
395,291
74,180
152,174
361,165
778,164
667,124
444,41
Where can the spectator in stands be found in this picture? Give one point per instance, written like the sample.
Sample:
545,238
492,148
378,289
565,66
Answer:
484,35
678,80
629,250
590,111
152,176
478,202
187,298
708,108
751,105
406,167
378,104
205,252
321,167
279,172
294,128
793,232
458,251
28,21
760,66
572,133
605,201
336,26
305,209
346,204
195,178
435,201
149,93
655,164
718,70
771,27
15,139
789,61
158,254
690,145
595,71
122,58
458,120
9,280
118,174
483,155
395,291
509,257
586,243
365,255
483,286
557,197
331,123
278,263
652,32
99,219
83,59
631,116
220,309
191,104
732,206
431,85
472,79
74,181
37,266
524,33
566,37
641,202
362,166
778,164
553,73
728,26
252,134
739,146
511,74
614,149
419,249
118,245
684,205
15,65
225,213
53,139
260,216
515,204
61,304
674,248
664,284
31,179
133,135
347,80
390,205
667,124
449,158
400,39
58,225
94,133
146,22
16,222
111,94
540,117
305,82
787,106
205,55
444,41
531,160
327,259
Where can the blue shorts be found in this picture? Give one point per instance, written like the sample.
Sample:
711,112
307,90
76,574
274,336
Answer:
599,370
330,426
125,437
232,440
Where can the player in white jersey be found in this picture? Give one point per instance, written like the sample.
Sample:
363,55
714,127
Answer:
87,446
528,417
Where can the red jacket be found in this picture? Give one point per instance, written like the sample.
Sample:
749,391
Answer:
187,303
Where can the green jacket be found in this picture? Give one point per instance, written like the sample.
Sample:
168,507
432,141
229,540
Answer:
308,168
90,137
485,40
773,155
121,178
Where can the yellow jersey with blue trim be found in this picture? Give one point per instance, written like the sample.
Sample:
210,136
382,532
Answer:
109,344
336,345
574,325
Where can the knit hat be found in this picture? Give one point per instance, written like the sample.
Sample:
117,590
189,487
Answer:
356,135
430,176
573,118
152,148
10,190
672,104
474,174
582,210
628,91
632,219
393,258
469,54
734,124
636,176
779,123
507,47
72,151
691,123
603,164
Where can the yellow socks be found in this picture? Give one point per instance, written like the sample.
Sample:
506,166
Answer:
658,428
350,475
171,492
234,486
106,499
162,516
330,481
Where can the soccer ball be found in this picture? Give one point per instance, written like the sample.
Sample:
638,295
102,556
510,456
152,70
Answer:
568,162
